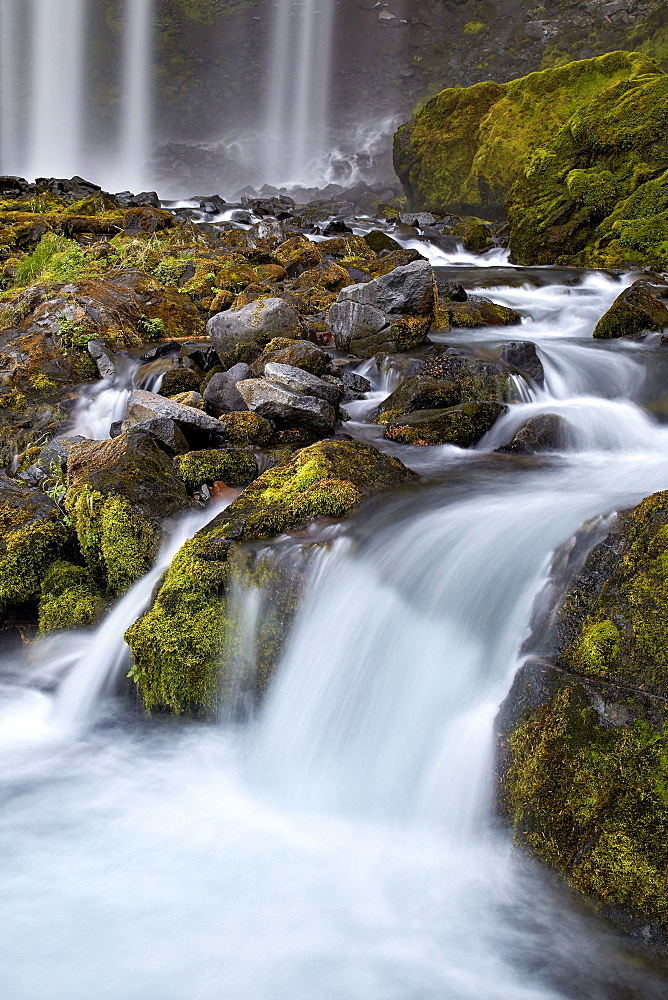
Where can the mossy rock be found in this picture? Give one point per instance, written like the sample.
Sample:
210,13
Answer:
417,392
636,310
69,598
595,193
296,353
243,427
476,379
461,425
466,146
179,642
583,758
232,467
33,535
118,493
478,311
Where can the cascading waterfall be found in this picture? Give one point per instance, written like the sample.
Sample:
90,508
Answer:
340,846
298,89
56,105
54,101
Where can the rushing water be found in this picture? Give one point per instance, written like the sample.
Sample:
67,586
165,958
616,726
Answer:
340,845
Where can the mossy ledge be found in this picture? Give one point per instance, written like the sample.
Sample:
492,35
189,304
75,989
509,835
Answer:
178,644
583,753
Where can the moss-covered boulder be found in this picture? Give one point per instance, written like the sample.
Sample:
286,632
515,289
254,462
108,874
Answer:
178,644
417,392
230,466
466,146
33,535
595,192
69,598
583,757
638,309
118,493
476,311
461,425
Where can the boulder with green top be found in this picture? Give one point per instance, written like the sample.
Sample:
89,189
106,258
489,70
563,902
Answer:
466,147
178,644
583,764
641,308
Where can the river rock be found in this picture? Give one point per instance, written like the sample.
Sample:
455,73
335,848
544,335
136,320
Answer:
221,393
418,392
477,379
196,425
287,408
522,354
390,313
582,759
165,431
546,432
638,309
256,323
298,353
461,425
177,644
302,382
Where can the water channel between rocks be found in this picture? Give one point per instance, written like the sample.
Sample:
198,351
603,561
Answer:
340,844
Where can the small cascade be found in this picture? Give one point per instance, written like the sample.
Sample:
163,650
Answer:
96,659
298,89
103,404
53,37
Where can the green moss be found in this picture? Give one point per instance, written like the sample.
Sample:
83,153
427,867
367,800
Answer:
246,428
232,467
177,644
27,551
69,598
54,259
592,801
467,146
461,425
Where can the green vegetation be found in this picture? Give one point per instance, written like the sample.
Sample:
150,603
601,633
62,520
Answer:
54,259
234,468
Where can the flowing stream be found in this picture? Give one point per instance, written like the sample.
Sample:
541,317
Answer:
341,844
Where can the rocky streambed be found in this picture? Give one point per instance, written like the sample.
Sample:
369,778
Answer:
343,486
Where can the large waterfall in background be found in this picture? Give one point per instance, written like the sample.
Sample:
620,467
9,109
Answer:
298,89
45,92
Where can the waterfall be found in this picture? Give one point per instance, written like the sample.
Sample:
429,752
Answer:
56,106
298,88
136,97
55,103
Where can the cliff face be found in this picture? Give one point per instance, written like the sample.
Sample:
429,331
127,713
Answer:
212,56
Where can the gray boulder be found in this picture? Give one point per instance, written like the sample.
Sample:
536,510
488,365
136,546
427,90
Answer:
257,323
522,354
407,289
195,424
546,432
286,408
221,392
302,382
165,431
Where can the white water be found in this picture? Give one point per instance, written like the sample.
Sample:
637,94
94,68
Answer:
53,99
341,847
298,87
56,102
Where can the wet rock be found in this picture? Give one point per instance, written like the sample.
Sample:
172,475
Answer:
229,466
378,241
178,645
302,382
267,232
522,354
162,350
221,393
581,752
356,383
640,308
418,392
418,219
196,425
477,379
104,359
246,428
52,456
546,432
461,425
256,323
390,313
449,291
475,311
147,220
165,431
33,535
297,353
286,408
